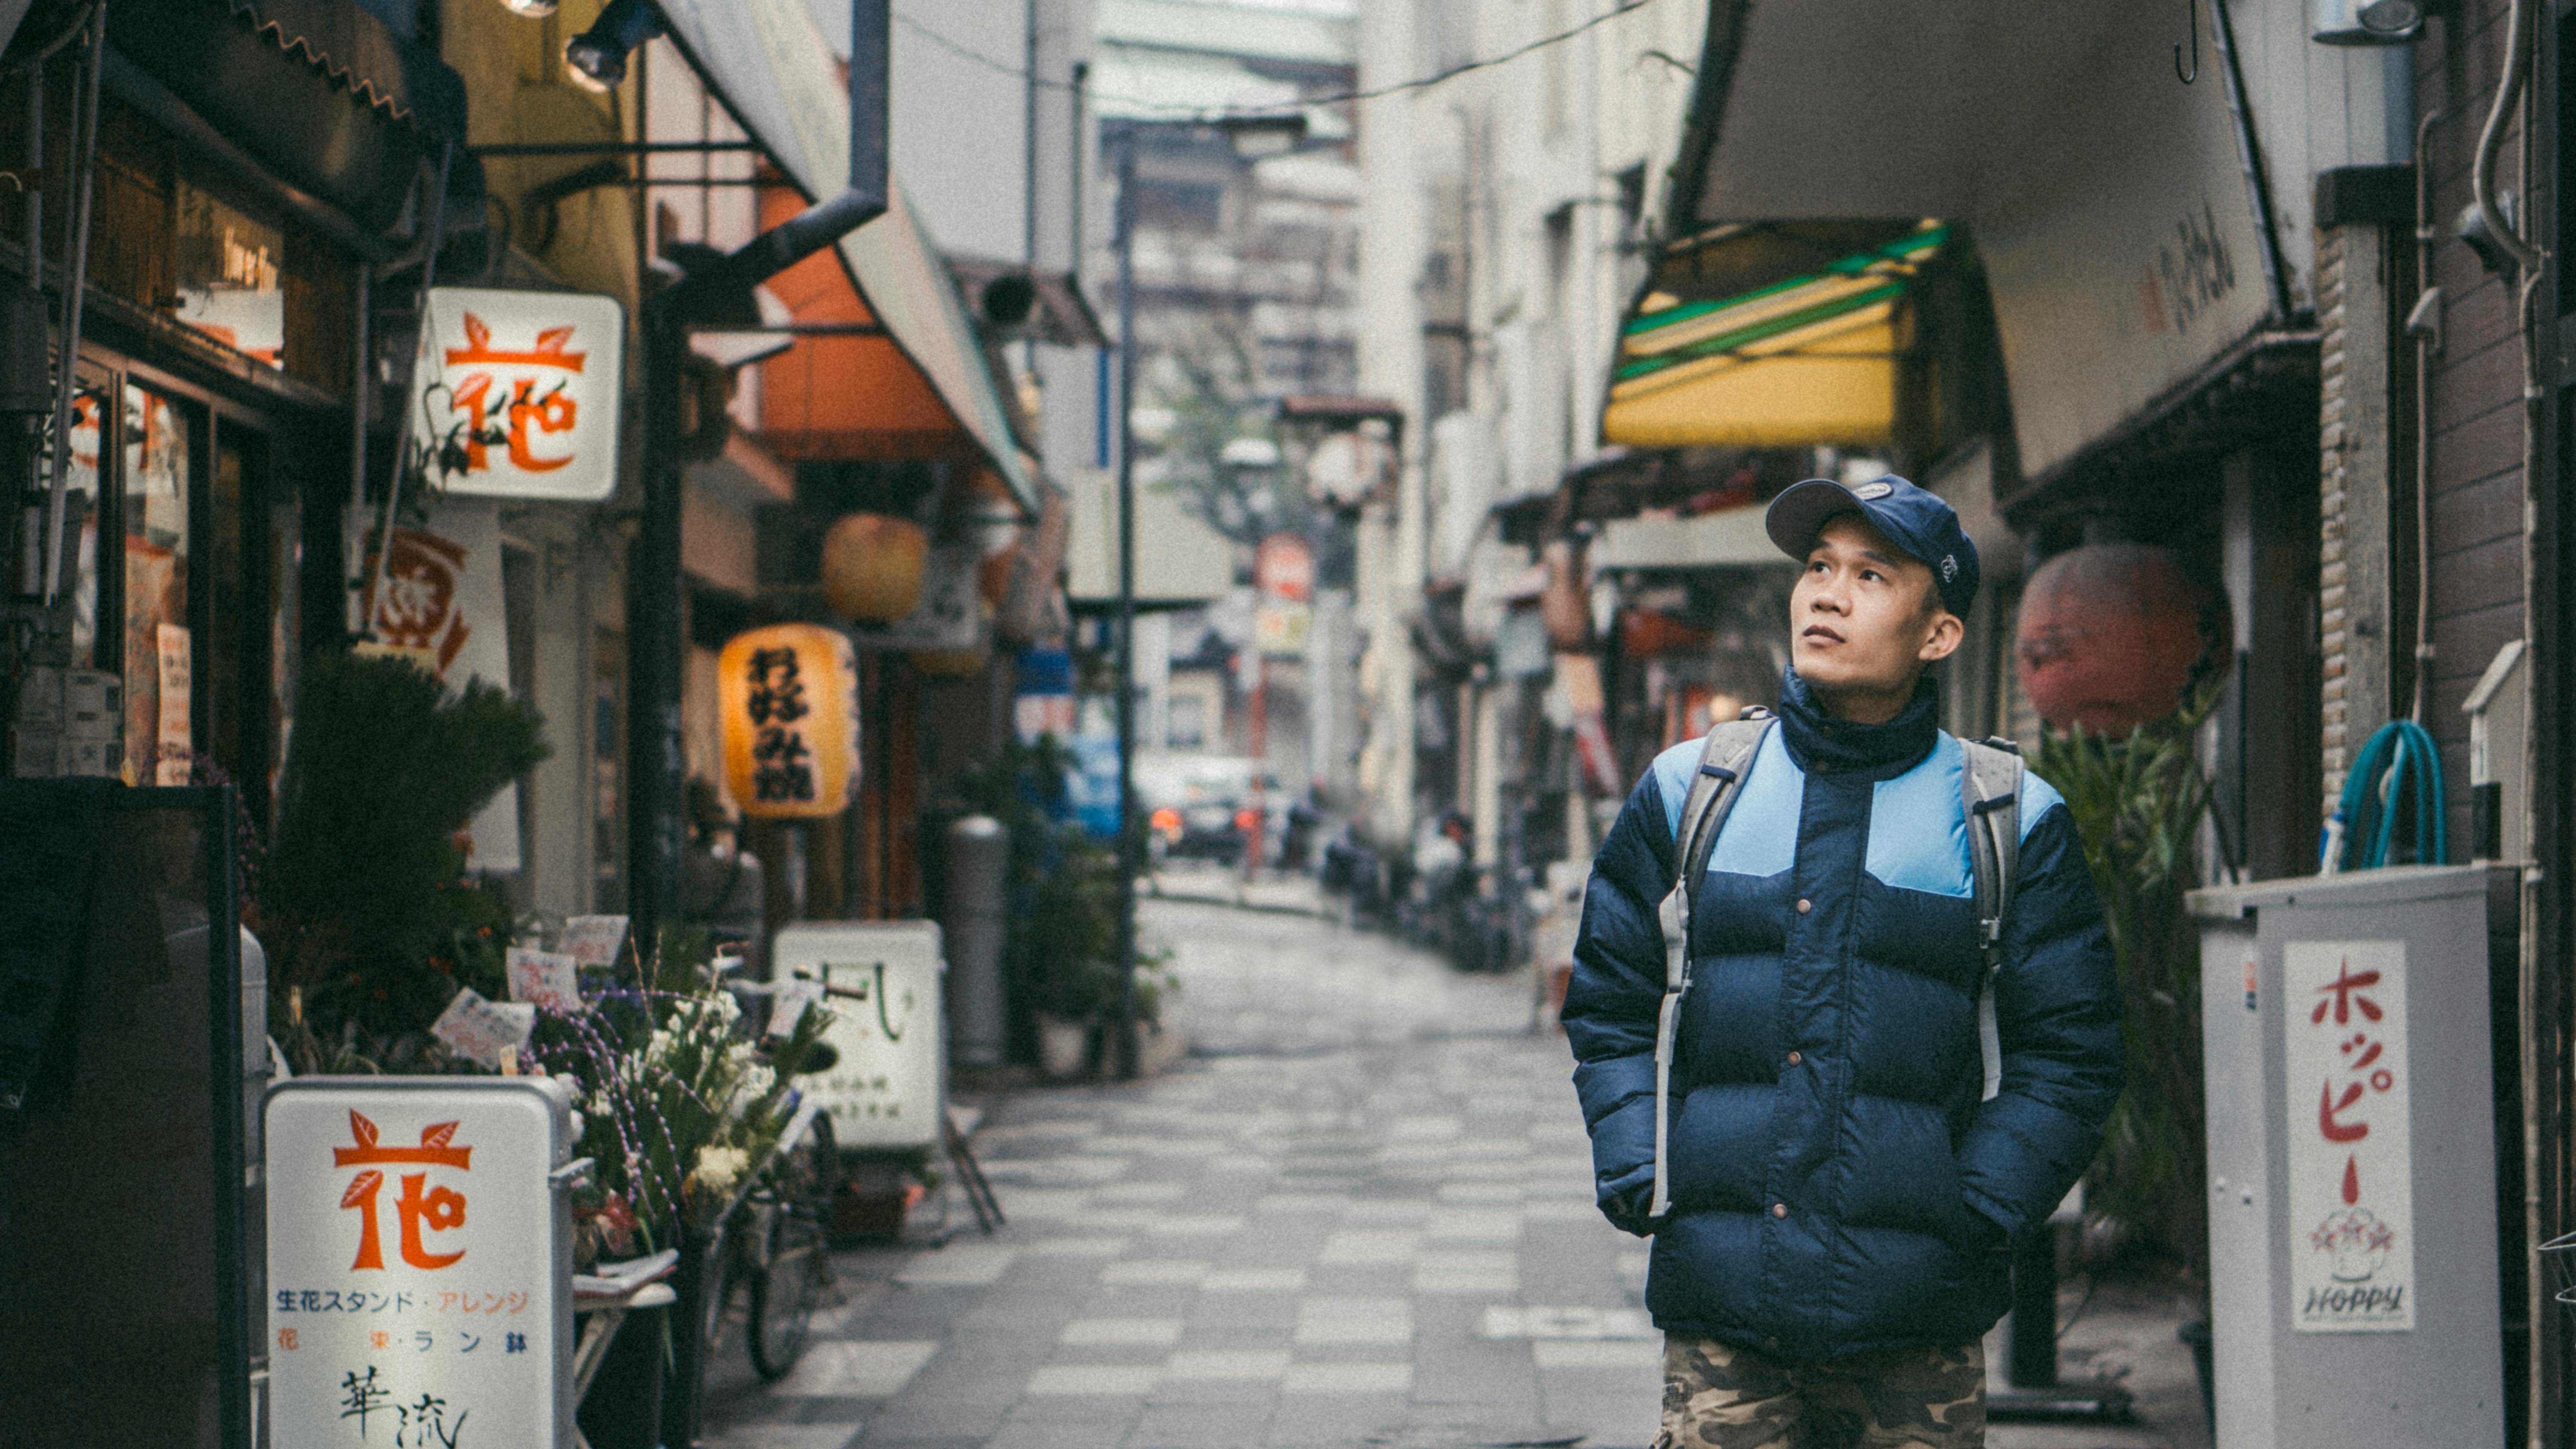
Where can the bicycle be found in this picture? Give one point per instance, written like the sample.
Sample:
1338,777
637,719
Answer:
775,1234
776,1251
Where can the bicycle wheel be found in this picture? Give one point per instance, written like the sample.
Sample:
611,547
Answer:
797,1266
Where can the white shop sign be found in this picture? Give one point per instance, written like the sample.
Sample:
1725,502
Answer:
515,394
890,1084
2351,1167
419,1263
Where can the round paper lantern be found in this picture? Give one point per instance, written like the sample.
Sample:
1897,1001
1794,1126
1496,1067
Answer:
790,699
2110,637
872,566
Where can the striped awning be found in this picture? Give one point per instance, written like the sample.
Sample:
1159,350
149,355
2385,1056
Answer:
1772,335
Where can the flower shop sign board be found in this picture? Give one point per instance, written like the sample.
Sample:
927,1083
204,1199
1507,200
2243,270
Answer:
419,1286
882,981
514,394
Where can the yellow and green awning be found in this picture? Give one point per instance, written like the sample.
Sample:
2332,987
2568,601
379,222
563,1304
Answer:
1725,350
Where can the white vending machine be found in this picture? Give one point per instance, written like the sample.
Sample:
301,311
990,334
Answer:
2366,1229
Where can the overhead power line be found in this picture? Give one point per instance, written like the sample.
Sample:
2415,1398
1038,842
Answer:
1003,67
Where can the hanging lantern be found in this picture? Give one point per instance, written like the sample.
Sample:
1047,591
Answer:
872,566
2112,636
790,697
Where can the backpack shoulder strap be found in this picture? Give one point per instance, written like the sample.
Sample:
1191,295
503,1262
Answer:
1990,789
1724,760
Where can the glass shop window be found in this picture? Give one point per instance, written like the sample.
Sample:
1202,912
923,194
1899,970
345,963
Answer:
159,654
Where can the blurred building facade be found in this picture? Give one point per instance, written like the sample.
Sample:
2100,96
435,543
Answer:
2268,302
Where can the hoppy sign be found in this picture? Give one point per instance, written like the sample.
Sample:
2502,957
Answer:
2351,1193
514,394
418,1263
791,722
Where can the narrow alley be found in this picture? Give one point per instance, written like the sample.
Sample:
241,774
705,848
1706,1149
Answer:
1359,1214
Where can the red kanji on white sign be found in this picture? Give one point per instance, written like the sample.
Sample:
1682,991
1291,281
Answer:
515,393
2351,1192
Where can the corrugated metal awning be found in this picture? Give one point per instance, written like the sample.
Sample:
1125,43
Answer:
773,68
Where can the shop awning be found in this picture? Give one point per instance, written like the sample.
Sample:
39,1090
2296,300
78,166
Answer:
1770,336
320,92
2107,201
895,395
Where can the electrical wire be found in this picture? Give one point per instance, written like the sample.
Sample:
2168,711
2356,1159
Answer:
1001,67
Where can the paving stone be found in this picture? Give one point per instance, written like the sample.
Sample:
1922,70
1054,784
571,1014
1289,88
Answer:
1362,1218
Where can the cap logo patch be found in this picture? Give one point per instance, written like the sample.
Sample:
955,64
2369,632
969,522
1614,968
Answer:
1949,568
1868,491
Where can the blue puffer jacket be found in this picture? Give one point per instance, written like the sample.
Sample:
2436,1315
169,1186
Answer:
1837,1186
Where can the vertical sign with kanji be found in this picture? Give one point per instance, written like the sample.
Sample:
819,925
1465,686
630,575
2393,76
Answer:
419,1263
2351,1188
514,394
888,1086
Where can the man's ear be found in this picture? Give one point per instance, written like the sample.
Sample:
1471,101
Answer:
1943,636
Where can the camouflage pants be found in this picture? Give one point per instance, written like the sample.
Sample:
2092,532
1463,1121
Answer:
1717,1396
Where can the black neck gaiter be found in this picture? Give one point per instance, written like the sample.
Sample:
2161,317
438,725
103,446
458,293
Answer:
1823,744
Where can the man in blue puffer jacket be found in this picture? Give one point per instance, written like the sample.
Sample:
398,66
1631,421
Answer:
1841,1200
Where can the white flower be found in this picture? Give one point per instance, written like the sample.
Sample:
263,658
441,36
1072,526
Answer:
756,1082
719,1168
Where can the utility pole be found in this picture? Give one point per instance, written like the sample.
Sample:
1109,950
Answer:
1125,233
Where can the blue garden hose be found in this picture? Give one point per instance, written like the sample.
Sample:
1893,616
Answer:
2399,760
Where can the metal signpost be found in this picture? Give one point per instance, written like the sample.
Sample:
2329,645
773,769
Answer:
419,1262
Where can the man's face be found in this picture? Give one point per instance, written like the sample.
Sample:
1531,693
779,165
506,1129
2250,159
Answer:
1864,618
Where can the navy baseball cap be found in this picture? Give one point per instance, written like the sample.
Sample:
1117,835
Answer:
1918,522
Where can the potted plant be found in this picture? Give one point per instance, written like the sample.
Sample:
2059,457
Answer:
2138,802
364,905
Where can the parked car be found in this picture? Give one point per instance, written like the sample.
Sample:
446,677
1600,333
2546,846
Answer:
1202,807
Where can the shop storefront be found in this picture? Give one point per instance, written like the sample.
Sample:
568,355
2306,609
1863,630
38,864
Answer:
209,457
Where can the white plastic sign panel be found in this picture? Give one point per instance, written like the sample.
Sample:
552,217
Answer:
419,1263
889,1086
2351,1167
515,394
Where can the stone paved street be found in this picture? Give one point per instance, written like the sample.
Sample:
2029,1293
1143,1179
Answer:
1359,1214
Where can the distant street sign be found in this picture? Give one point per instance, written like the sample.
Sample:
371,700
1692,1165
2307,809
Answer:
1280,630
419,1286
1284,568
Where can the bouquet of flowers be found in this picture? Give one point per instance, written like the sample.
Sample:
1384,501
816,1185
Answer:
679,1100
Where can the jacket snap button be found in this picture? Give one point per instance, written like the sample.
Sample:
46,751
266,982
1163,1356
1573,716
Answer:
1794,1059
1771,1342
1805,905
1779,1209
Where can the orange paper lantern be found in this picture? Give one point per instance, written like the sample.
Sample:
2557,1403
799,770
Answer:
790,699
872,566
